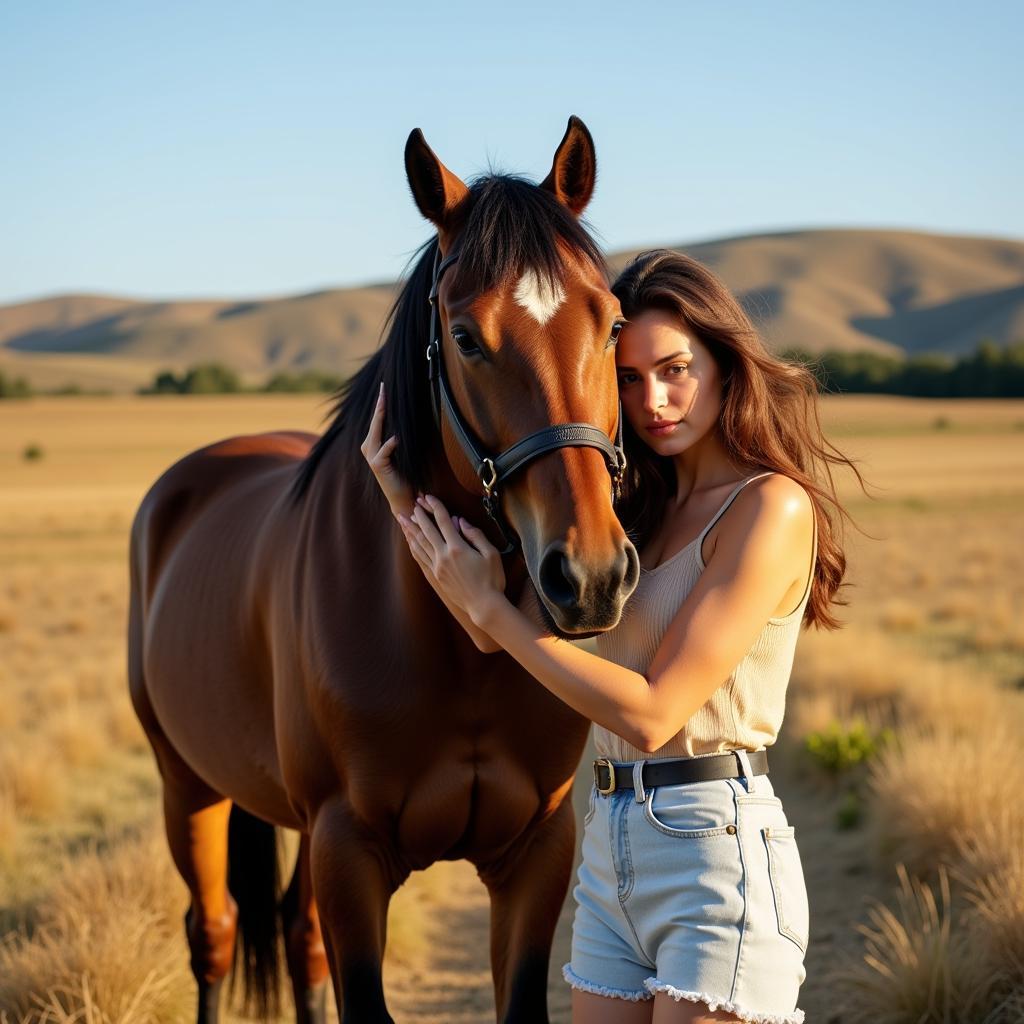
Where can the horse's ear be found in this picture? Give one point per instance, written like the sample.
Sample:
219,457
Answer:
574,169
438,193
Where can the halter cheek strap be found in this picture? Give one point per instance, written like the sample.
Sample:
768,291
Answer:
495,470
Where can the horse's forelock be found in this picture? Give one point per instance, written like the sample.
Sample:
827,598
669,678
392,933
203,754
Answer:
512,227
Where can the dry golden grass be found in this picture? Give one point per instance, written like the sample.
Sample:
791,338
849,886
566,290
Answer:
917,966
106,946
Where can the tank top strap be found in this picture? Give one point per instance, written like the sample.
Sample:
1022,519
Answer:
725,505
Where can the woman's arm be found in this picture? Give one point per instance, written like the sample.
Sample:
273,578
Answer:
402,502
763,547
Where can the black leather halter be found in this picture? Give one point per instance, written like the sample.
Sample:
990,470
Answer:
494,471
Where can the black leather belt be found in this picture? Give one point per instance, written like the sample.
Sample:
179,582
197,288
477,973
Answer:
609,777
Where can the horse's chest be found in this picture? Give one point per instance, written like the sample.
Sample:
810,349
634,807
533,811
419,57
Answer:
460,807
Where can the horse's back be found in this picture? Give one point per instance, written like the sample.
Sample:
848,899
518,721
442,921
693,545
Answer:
181,493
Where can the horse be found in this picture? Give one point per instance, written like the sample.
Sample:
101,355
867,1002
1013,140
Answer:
292,667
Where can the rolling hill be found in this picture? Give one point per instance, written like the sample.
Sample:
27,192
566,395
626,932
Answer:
877,290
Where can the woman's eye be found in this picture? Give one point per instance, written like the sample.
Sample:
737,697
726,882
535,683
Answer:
677,369
626,378
467,346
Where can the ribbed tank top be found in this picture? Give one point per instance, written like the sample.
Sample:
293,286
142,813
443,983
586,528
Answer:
746,711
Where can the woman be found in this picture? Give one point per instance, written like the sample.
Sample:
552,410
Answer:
690,902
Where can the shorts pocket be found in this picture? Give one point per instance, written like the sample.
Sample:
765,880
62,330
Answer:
591,807
687,813
789,890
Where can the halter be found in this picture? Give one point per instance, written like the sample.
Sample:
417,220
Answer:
495,470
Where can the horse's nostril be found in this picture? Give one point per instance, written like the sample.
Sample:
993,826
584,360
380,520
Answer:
558,579
632,574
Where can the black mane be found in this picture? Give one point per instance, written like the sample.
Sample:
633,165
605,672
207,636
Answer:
513,226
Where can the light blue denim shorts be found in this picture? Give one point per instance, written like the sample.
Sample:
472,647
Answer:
695,890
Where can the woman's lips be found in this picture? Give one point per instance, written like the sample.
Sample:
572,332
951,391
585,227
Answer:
662,429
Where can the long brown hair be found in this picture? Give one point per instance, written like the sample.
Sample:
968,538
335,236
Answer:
769,414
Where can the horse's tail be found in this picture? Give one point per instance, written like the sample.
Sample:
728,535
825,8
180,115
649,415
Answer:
254,881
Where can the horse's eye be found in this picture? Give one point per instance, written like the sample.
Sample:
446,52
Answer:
462,338
616,331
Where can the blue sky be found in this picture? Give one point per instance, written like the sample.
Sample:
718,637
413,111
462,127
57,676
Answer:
249,149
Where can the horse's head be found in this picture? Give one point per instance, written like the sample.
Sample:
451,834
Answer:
525,327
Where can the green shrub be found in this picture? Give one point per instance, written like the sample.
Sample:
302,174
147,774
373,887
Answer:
838,750
14,387
308,380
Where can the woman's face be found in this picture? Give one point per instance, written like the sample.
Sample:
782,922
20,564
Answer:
669,382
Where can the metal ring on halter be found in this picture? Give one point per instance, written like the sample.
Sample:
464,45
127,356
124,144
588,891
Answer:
488,484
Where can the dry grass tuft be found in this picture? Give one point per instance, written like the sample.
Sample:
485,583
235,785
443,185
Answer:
108,948
991,871
916,966
937,784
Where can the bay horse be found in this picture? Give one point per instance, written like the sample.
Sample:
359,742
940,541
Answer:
291,665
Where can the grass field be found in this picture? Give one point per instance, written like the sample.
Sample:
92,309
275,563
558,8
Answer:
911,844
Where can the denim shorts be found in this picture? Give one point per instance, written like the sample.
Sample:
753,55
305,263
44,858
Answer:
695,890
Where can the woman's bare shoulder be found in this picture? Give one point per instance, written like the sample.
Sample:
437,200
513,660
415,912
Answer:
773,506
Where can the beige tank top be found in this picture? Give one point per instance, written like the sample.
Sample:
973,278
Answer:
746,711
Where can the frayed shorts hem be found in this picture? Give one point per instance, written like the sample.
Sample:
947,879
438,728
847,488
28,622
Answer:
576,982
716,1003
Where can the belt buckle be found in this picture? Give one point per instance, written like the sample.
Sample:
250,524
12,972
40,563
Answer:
603,762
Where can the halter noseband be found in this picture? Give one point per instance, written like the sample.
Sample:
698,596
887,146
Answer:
495,470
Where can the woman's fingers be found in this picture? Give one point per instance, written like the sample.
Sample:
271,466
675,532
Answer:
417,549
371,443
431,535
477,538
441,517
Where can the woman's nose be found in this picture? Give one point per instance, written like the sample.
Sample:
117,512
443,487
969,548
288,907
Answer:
654,396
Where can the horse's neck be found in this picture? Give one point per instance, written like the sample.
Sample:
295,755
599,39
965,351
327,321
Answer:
341,486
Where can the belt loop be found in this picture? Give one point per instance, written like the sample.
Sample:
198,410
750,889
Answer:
638,781
746,771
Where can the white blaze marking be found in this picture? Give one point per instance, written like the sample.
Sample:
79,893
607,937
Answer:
538,297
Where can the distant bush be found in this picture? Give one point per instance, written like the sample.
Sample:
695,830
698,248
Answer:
32,453
14,387
988,372
309,380
204,379
216,378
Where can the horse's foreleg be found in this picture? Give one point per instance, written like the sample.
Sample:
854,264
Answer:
197,831
354,878
527,887
307,959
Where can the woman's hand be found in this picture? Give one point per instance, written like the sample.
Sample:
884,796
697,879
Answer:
466,566
378,455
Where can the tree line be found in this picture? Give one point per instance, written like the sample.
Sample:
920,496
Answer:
202,379
216,378
987,372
